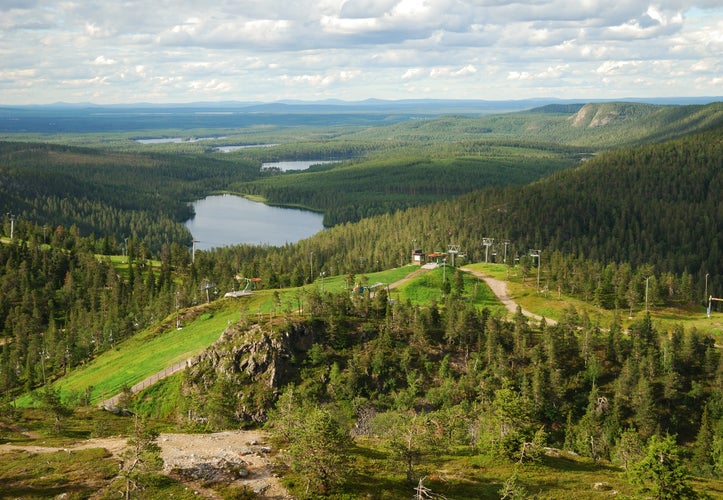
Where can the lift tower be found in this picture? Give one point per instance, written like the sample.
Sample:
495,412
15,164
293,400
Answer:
487,243
710,302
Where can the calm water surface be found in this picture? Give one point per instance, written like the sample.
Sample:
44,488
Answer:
230,149
176,140
225,220
295,165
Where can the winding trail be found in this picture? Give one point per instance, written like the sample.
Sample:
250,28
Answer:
499,288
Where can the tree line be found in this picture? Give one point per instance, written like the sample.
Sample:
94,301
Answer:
654,208
440,378
616,251
115,195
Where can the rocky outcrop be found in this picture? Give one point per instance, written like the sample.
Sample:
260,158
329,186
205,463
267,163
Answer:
254,362
600,115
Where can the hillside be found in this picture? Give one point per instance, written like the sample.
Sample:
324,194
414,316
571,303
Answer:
593,125
403,179
111,195
440,158
655,208
448,373
384,166
658,236
387,388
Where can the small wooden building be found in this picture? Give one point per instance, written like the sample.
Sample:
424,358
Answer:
417,257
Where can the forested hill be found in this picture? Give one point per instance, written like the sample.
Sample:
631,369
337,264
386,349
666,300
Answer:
655,204
658,204
593,125
422,161
111,195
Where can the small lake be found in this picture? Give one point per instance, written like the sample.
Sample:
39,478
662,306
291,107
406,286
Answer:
176,140
285,166
224,220
231,149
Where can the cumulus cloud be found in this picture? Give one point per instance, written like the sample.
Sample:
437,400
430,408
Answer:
103,61
174,50
445,72
320,80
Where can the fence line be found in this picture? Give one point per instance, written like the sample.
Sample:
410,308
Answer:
149,381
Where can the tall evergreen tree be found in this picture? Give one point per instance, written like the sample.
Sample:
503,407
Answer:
661,472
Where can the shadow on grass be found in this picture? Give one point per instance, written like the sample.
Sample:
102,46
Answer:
367,452
20,491
569,464
378,487
372,477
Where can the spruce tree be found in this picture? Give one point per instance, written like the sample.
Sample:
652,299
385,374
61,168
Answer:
703,451
661,472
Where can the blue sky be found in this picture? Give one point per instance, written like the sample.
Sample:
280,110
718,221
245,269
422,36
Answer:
266,50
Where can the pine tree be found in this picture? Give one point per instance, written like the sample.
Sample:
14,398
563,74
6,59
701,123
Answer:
318,450
142,457
703,451
628,448
50,400
661,472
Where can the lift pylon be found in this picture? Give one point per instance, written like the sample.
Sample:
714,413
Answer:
710,302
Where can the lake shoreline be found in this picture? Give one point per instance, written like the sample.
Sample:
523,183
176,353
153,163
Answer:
223,219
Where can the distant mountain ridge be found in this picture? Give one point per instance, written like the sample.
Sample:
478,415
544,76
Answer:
591,126
89,117
376,102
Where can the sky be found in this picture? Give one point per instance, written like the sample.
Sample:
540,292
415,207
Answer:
178,51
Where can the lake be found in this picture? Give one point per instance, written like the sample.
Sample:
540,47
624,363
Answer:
224,220
176,140
230,149
286,166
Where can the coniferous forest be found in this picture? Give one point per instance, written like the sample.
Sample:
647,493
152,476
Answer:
385,393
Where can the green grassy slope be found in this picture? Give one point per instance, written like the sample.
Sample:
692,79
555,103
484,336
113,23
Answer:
163,345
146,354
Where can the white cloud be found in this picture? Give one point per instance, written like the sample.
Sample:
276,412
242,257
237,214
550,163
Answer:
518,75
349,26
174,50
447,72
20,74
212,86
616,67
104,61
321,80
412,73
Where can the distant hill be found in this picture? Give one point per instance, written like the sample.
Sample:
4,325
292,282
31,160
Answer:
427,160
654,204
587,125
62,117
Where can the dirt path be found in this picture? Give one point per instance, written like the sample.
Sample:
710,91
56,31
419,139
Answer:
408,277
499,288
188,452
